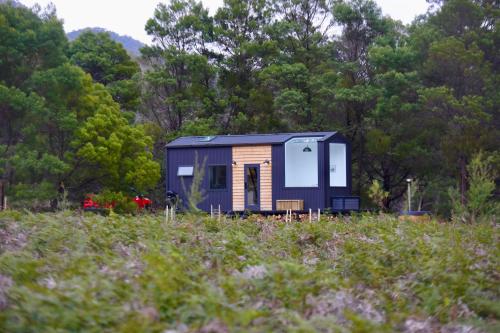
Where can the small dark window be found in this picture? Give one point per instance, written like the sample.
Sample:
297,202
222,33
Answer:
217,177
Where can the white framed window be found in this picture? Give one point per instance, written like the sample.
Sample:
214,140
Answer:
338,165
301,162
183,171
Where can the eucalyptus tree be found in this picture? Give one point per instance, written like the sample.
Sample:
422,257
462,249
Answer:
242,46
179,79
355,95
301,31
301,28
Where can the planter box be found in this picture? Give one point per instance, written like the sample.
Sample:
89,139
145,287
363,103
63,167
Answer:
290,204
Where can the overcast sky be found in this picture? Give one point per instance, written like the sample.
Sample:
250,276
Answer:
128,17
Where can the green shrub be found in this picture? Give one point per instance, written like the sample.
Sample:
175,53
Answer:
378,195
479,205
120,203
195,194
32,196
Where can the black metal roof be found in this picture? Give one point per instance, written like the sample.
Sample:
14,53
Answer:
241,140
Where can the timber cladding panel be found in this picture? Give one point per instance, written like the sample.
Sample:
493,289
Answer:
252,155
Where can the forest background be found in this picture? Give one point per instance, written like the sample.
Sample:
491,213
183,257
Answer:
417,101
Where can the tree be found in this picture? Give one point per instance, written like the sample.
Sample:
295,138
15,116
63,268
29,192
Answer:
108,63
304,28
289,85
15,105
239,33
179,87
115,154
300,38
30,40
355,95
80,137
396,143
58,125
460,74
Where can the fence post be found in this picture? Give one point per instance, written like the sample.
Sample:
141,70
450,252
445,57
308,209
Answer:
2,196
319,214
310,215
219,213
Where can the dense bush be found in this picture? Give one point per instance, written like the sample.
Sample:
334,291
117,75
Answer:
478,203
116,201
66,272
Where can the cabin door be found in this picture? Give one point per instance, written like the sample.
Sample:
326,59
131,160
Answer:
252,187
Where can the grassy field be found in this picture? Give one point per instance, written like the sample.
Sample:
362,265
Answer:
67,272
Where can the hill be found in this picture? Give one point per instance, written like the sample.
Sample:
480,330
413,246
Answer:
130,44
14,3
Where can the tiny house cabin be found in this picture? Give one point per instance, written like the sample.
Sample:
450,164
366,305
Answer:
264,172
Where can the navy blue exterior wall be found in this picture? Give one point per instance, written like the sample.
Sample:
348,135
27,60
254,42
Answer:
186,157
314,197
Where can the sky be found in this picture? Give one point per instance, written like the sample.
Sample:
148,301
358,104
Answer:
128,17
